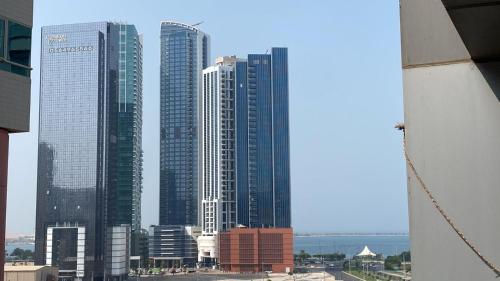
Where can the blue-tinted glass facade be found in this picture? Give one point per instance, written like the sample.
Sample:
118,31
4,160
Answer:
260,141
263,165
175,244
184,54
72,141
281,137
241,120
126,199
89,144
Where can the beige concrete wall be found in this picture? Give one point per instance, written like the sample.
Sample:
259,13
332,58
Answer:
18,10
452,120
47,273
14,102
20,276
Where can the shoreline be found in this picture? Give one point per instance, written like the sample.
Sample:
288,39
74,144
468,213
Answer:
351,235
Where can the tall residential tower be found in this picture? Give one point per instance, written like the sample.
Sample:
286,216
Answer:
262,140
217,154
184,55
244,146
89,154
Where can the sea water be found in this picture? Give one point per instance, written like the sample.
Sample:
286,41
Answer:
351,245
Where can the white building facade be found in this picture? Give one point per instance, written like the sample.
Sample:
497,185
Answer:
217,154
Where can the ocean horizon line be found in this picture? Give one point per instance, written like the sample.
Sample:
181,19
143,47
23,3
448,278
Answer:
329,234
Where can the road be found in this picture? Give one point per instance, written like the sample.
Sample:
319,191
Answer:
202,277
346,277
311,276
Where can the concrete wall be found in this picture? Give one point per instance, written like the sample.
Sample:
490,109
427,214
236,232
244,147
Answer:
21,276
15,89
30,273
18,10
452,115
14,102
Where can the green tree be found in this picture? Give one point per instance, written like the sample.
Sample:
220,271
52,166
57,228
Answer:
22,254
302,256
406,256
18,252
392,262
334,257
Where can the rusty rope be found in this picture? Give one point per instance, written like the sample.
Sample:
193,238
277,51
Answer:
445,216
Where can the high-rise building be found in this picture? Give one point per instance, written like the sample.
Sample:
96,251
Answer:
451,76
217,154
89,154
16,19
262,140
184,55
244,146
125,201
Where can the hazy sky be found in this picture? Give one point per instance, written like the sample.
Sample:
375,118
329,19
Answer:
348,171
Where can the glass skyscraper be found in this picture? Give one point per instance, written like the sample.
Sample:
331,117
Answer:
243,147
126,200
262,140
184,55
89,158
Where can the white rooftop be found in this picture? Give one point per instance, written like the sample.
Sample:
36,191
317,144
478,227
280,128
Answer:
366,253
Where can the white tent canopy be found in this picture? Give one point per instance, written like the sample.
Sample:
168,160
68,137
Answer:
366,253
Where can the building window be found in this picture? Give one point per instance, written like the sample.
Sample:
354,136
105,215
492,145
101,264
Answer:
15,47
2,38
19,44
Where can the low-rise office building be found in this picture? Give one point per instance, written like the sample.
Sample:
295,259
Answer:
30,273
139,251
173,245
256,250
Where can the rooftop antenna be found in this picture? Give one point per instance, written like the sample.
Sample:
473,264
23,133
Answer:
267,51
198,23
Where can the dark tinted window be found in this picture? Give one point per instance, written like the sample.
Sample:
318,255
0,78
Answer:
2,37
19,43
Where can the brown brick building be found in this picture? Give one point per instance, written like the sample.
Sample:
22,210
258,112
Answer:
256,250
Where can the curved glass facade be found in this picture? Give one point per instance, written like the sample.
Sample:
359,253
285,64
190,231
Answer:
184,54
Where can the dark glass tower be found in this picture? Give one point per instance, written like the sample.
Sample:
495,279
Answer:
184,55
90,75
125,201
262,140
281,138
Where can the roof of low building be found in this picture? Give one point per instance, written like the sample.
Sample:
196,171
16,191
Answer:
23,267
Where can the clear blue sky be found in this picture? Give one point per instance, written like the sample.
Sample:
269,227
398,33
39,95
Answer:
348,171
